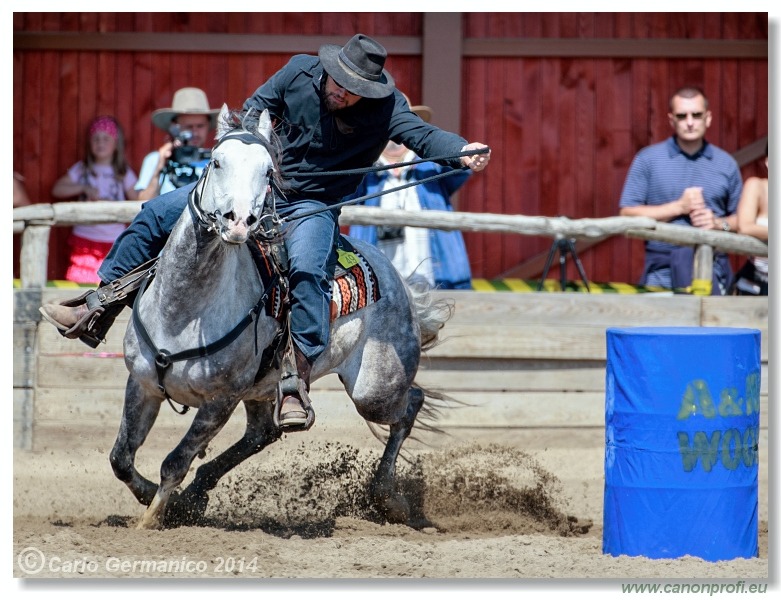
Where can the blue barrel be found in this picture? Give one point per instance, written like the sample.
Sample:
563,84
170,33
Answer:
681,434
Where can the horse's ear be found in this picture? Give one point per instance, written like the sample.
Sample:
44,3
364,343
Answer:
223,121
264,125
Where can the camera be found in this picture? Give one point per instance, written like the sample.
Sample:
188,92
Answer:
183,153
389,233
181,167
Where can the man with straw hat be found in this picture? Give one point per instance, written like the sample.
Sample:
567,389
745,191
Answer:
189,118
333,112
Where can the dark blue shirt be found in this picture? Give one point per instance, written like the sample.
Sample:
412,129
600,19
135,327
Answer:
313,141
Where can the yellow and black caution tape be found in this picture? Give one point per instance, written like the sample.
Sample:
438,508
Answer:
62,284
553,285
504,285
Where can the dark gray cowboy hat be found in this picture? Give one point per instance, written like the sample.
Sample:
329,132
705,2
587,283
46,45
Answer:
358,67
187,101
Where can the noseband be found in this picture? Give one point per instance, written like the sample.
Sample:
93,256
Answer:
210,220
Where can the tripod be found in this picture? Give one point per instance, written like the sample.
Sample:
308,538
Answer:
564,246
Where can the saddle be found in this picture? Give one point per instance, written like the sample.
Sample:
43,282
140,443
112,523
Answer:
354,285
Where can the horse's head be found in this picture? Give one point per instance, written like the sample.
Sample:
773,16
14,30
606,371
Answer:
233,191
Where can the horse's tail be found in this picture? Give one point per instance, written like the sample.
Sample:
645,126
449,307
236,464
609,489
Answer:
432,314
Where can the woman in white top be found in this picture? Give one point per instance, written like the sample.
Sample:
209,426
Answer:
752,279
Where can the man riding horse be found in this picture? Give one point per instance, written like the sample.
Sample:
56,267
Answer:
333,112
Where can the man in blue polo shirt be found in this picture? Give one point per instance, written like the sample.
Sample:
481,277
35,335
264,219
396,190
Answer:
685,181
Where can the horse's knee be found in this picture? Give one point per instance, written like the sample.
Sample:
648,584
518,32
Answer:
173,470
121,464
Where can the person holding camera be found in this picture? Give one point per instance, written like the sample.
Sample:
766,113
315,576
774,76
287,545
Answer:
181,159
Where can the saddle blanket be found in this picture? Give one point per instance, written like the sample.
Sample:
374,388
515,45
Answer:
354,285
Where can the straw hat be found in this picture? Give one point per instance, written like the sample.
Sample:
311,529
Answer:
424,112
187,101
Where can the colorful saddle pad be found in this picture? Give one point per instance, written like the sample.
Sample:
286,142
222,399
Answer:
354,285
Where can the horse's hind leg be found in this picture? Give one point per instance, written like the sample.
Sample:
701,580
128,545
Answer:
138,416
383,487
260,432
208,421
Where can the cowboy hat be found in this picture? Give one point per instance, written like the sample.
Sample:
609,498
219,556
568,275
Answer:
424,112
358,67
187,101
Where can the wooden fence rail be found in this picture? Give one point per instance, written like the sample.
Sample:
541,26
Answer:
34,222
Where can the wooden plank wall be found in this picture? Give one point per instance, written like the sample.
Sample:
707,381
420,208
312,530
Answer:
563,128
520,362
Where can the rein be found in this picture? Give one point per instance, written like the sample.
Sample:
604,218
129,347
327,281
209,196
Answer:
374,169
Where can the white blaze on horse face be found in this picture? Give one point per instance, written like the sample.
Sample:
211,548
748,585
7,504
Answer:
237,186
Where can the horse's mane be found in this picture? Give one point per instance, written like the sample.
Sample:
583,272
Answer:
247,121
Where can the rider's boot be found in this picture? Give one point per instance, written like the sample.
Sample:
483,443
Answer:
87,317
295,408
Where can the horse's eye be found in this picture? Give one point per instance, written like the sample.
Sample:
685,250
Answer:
216,163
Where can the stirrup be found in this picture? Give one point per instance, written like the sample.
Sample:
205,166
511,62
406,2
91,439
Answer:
293,385
85,329
92,340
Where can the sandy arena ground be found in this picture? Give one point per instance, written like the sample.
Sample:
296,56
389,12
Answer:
523,507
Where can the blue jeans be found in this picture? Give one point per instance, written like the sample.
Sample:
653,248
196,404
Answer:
310,244
146,235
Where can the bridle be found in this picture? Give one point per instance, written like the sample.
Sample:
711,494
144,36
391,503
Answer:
210,222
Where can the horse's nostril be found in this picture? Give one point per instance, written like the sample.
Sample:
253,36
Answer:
251,220
230,216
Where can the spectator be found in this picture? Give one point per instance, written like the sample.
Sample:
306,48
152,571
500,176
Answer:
684,180
336,111
180,160
752,278
433,255
103,174
20,193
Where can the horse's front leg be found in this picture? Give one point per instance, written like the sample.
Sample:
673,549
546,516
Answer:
138,415
190,505
208,421
383,486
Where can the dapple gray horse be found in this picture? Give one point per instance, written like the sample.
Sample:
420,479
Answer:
205,283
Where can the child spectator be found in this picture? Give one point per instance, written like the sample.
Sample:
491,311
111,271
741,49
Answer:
103,174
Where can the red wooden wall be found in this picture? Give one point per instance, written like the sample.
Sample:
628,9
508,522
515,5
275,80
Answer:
563,130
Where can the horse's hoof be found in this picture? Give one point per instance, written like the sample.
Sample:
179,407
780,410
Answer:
148,525
396,510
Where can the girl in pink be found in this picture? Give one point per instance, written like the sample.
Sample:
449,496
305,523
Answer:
103,175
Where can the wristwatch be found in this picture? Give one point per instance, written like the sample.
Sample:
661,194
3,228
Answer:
724,225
